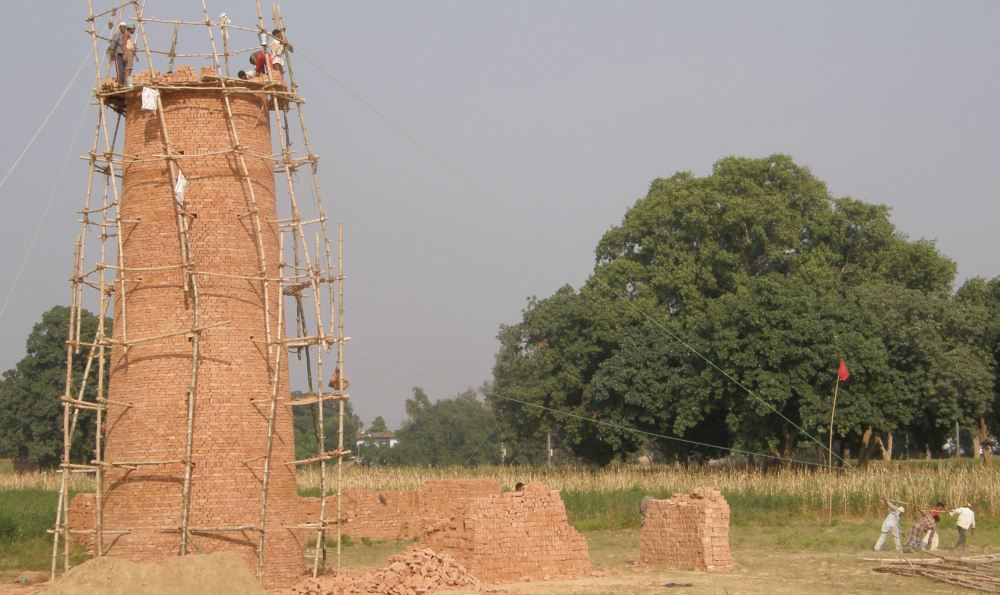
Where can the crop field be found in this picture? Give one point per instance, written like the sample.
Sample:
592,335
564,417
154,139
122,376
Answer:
785,512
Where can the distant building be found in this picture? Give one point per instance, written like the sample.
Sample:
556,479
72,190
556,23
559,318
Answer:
378,439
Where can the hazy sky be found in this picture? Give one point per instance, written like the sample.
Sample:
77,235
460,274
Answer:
530,127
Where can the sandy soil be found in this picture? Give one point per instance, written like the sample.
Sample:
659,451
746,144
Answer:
759,570
756,573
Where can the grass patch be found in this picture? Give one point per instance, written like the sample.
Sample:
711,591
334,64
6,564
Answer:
595,511
364,554
6,467
25,516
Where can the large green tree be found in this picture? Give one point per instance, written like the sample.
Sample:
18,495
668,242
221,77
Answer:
717,312
458,431
981,298
31,427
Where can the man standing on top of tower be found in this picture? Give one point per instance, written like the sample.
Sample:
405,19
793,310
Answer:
276,48
130,49
116,51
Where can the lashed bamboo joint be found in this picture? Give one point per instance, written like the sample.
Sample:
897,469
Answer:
181,209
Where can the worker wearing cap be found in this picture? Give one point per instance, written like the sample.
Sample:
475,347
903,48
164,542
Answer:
966,522
116,51
130,49
890,525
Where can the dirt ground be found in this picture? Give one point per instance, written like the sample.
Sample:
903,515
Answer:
764,565
758,574
759,570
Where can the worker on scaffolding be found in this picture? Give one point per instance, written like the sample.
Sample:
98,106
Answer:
130,51
117,51
262,62
276,48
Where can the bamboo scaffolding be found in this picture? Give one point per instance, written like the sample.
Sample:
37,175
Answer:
340,382
319,399
112,11
309,277
312,524
72,407
190,283
194,332
326,456
239,528
266,290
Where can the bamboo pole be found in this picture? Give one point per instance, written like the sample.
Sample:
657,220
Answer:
190,283
172,53
340,366
262,262
829,464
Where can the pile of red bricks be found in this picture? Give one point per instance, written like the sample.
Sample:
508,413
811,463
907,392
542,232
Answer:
512,536
409,573
687,531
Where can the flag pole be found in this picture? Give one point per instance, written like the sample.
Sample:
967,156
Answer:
833,409
829,451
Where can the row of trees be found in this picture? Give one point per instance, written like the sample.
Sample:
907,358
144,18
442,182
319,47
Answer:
718,310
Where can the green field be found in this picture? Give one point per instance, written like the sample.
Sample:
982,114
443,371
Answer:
783,511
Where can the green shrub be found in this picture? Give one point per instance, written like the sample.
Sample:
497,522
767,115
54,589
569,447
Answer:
8,528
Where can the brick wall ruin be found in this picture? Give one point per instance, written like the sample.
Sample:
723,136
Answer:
384,516
687,531
497,536
402,514
511,536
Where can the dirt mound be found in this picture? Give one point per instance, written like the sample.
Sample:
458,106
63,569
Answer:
208,574
412,572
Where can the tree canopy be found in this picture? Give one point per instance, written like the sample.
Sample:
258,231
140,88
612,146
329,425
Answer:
31,426
717,313
458,431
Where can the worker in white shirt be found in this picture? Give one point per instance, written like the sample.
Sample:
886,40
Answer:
890,525
966,522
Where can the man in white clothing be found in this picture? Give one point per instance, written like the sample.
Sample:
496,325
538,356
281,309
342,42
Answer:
966,522
890,525
276,48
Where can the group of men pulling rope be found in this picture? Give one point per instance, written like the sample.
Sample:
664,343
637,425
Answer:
923,533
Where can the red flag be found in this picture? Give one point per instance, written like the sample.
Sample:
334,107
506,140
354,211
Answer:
842,372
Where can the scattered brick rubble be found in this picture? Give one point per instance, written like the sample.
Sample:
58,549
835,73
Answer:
687,531
412,572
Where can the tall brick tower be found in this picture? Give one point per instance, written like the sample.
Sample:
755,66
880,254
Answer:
196,264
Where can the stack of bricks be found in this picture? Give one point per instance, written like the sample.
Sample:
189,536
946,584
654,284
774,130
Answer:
688,531
512,536
186,75
440,500
402,514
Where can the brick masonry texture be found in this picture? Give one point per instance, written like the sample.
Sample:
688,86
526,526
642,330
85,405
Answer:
230,429
688,531
400,515
512,536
